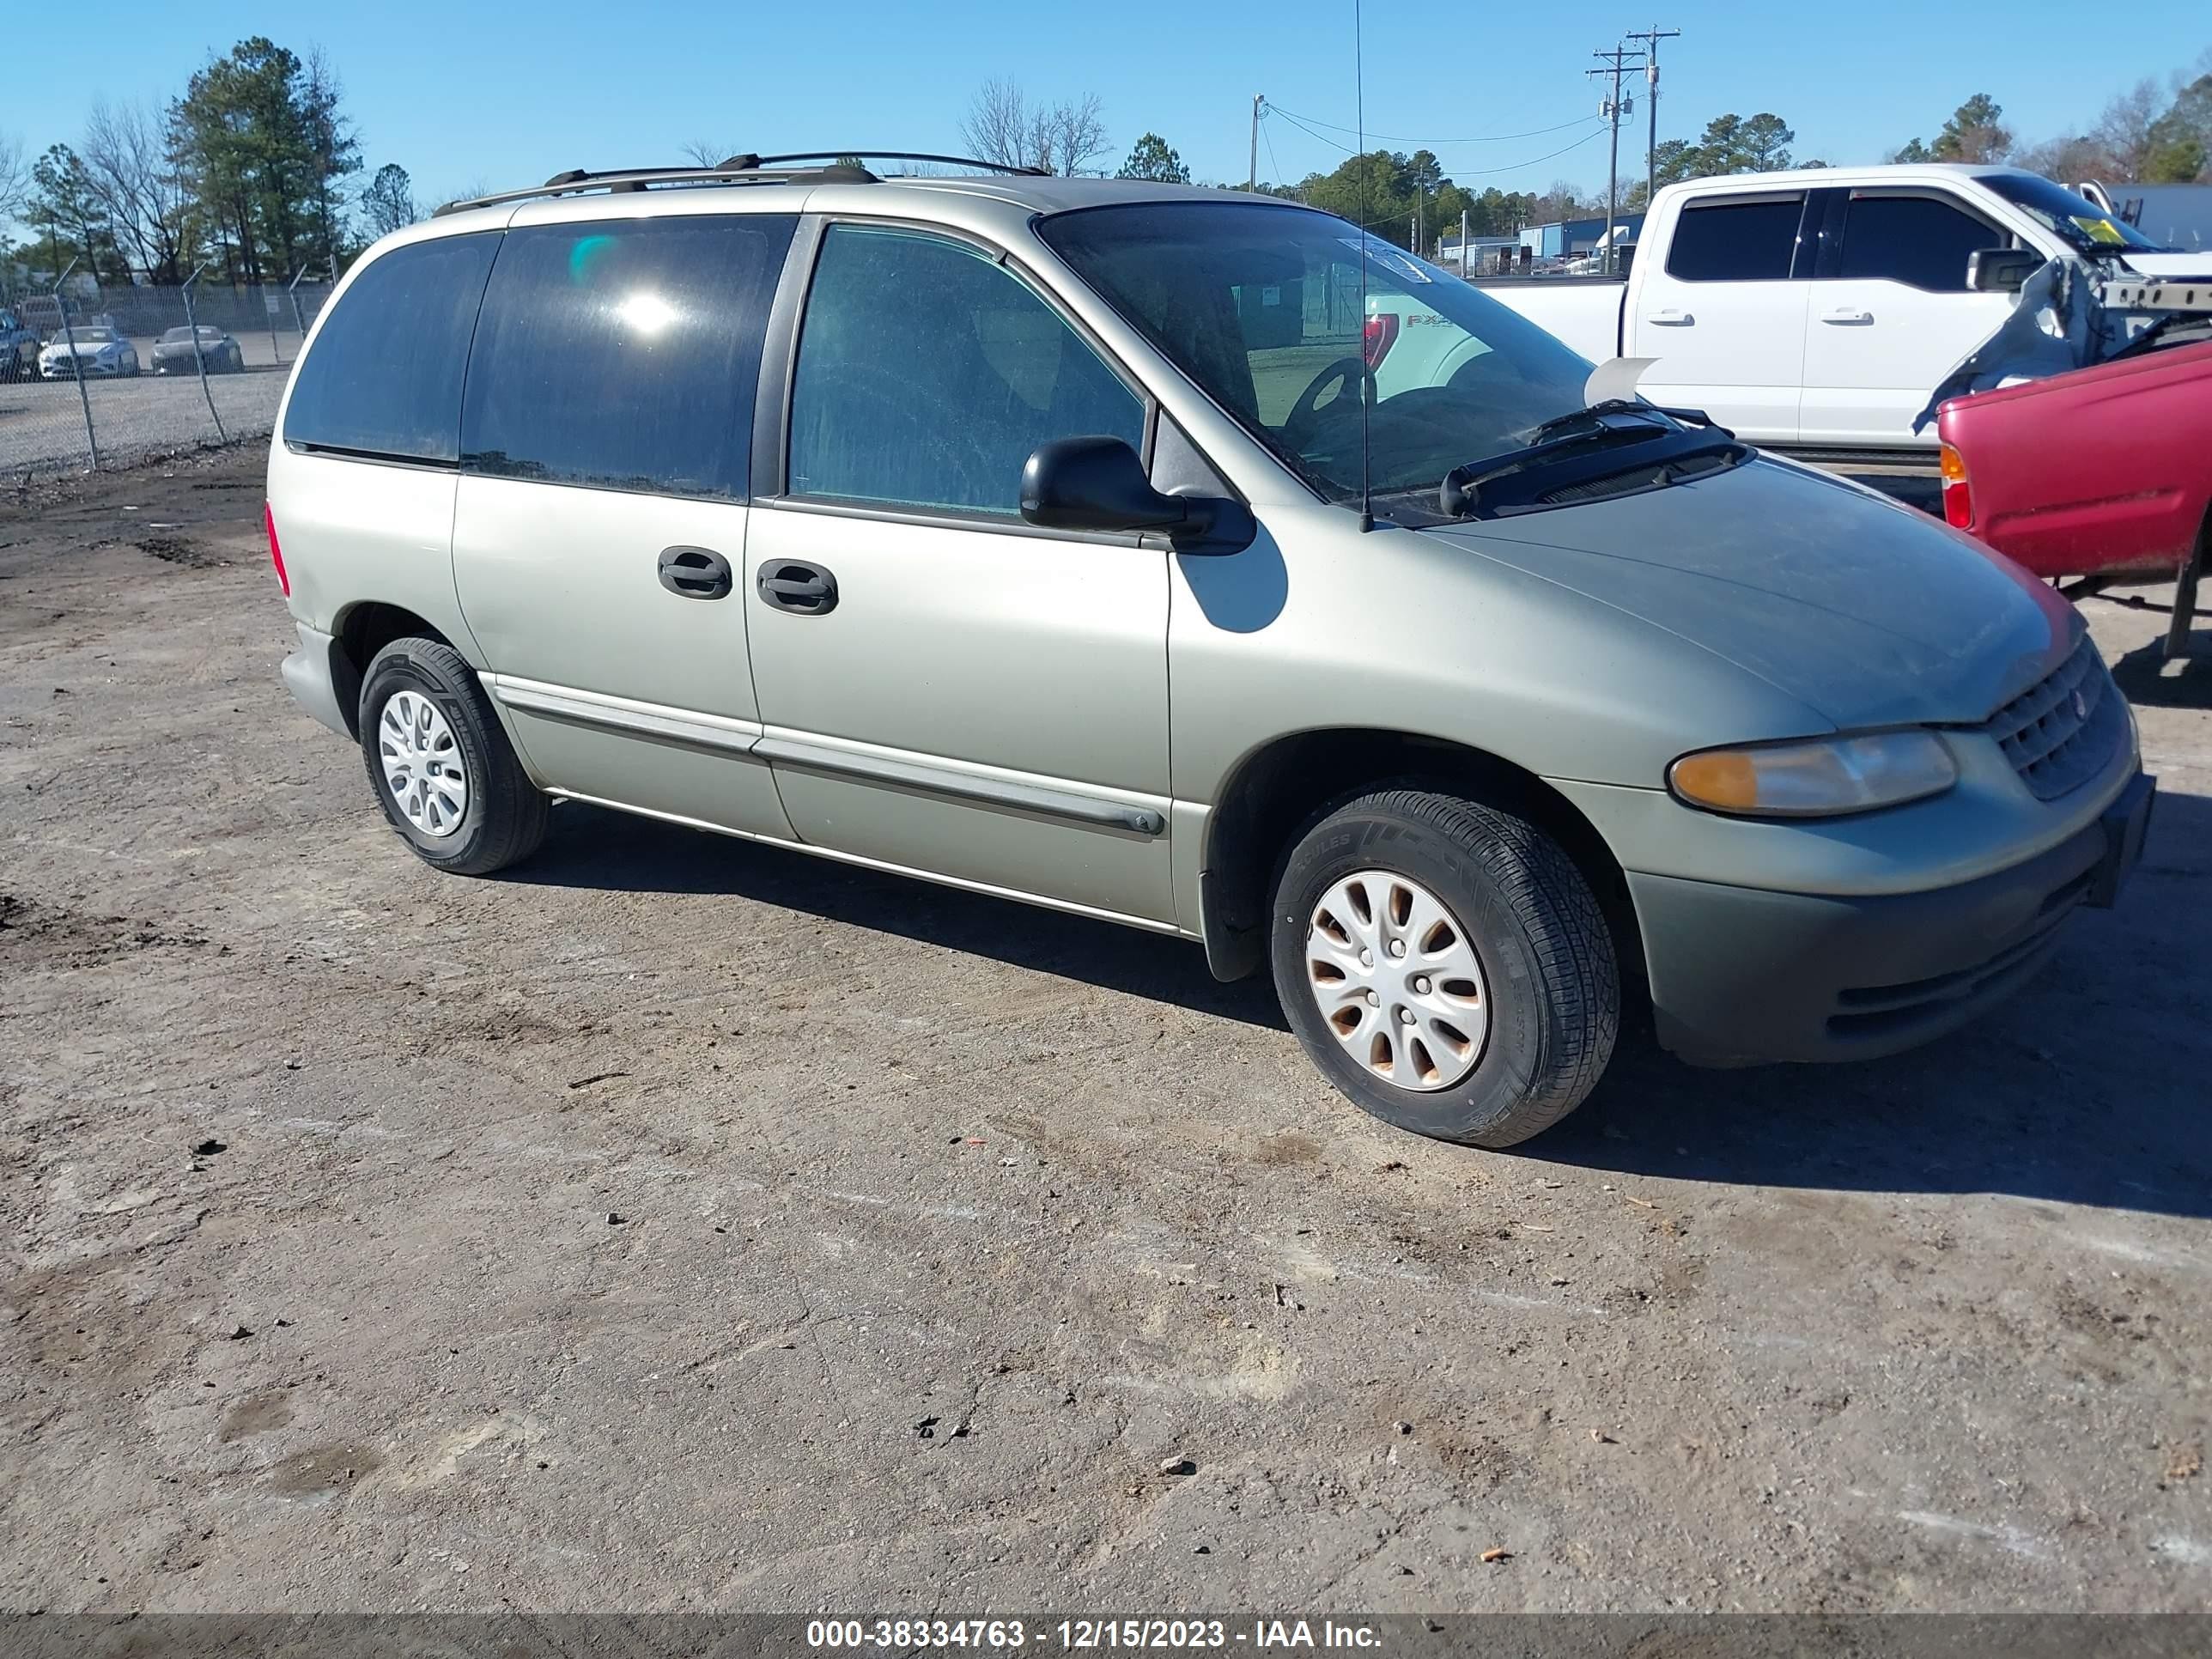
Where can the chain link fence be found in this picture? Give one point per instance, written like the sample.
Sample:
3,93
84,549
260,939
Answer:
108,377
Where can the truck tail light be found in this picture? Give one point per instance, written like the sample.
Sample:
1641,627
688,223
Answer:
1376,339
276,552
1958,496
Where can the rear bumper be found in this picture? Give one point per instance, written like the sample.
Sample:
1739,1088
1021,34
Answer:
1740,975
308,676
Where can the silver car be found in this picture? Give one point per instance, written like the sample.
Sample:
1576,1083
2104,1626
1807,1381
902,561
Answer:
1047,537
88,349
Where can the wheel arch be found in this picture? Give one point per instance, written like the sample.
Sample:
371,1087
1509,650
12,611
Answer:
358,632
1275,790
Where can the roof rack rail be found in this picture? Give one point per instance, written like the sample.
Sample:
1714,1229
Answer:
1017,169
747,169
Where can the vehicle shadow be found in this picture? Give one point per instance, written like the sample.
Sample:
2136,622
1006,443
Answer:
592,847
2152,682
2090,1087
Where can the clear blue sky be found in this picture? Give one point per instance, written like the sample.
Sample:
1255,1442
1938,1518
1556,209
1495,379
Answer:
461,93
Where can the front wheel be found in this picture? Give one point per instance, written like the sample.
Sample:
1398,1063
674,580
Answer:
1446,965
440,764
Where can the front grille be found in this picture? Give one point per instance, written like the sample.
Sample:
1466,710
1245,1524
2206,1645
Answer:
2061,731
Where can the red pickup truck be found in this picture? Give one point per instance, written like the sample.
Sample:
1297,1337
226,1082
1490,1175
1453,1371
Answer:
2102,473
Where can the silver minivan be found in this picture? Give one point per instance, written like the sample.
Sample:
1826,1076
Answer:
1050,537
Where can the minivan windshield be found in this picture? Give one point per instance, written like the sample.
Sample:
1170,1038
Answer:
1260,305
2085,227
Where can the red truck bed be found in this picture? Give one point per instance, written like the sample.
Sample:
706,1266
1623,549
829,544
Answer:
2099,472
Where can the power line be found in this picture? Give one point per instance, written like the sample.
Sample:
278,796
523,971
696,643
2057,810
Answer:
1274,109
1492,138
1492,173
1269,138
1458,174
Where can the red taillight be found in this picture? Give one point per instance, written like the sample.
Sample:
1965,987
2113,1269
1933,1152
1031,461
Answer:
1958,497
1377,337
275,553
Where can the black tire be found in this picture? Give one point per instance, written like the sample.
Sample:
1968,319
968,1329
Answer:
504,820
1546,953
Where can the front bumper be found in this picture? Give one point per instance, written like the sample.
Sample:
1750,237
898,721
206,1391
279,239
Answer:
1740,975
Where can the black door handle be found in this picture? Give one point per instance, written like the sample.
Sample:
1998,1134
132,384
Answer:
695,573
804,590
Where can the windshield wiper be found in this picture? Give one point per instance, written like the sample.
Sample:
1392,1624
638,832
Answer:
1586,456
1455,495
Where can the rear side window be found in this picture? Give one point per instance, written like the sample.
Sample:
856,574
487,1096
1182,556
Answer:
927,372
1726,241
385,375
623,354
1914,240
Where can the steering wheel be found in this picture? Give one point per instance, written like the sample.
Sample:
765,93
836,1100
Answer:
1346,373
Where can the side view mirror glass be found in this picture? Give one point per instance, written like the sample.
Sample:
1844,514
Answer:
2000,270
1098,483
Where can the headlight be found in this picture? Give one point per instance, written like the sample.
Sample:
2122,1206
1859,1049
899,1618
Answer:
1819,779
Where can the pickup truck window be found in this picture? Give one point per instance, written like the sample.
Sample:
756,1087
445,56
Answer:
1918,240
1725,239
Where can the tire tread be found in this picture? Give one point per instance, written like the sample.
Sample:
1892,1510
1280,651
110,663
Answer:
1564,925
517,813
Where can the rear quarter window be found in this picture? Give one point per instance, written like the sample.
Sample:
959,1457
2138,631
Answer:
623,354
383,375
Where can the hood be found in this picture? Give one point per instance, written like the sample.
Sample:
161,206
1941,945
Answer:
84,347
2172,265
1866,610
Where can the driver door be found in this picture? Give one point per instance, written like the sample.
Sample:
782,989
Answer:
944,688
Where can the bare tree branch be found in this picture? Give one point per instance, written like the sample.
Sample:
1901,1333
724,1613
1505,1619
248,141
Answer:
14,176
998,125
1072,138
126,157
707,155
1003,126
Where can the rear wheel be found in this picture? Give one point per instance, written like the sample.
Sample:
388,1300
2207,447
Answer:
440,764
1446,965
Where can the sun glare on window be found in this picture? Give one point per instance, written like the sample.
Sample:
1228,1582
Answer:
646,312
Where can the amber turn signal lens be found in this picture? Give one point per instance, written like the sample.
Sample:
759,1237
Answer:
1952,464
1724,779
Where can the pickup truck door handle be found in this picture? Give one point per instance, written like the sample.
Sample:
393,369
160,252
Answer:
695,573
1846,316
1672,318
804,590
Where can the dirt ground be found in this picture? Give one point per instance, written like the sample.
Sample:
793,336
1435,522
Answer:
680,1224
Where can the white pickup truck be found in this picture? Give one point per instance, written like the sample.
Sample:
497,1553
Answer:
1822,308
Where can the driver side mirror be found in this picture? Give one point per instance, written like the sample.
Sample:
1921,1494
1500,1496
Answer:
2000,270
1099,484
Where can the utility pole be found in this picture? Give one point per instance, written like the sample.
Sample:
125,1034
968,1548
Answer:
1252,176
1651,38
1617,60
